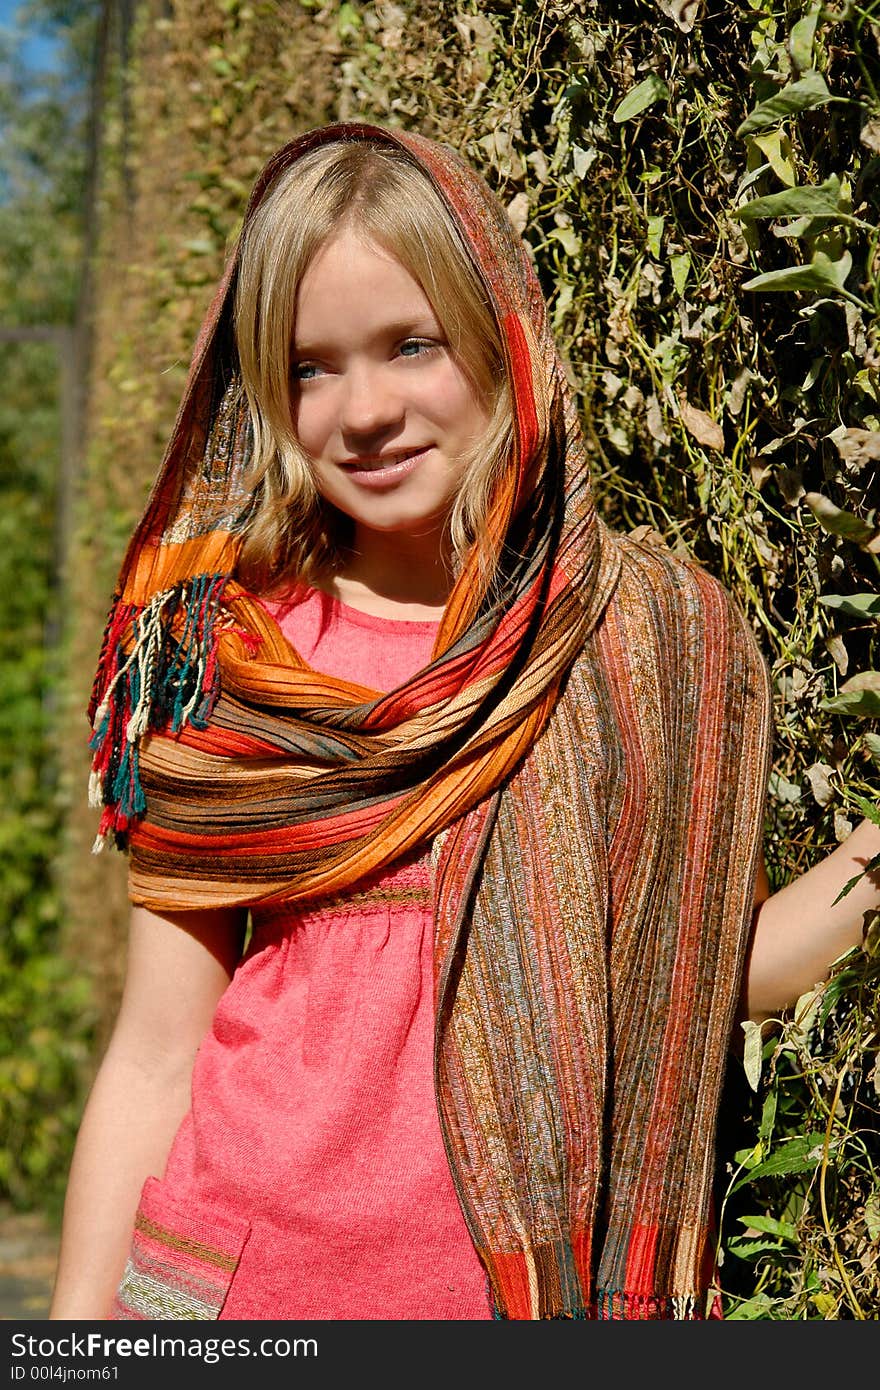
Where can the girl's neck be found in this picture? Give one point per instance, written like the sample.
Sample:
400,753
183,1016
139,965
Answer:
394,576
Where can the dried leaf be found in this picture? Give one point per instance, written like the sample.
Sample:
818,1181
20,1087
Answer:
856,446
818,776
862,680
518,211
872,743
753,1052
684,12
837,651
476,31
583,160
646,535
872,1206
791,484
737,392
701,425
654,420
870,134
843,828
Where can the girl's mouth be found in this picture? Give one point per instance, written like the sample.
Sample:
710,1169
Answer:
383,472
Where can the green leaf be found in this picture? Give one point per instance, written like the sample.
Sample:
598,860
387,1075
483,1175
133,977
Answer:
745,1249
863,700
809,199
809,91
770,1226
798,1155
859,605
348,21
821,274
838,521
680,266
872,1215
826,1304
836,988
768,1115
800,40
569,240
200,246
781,789
640,98
868,809
872,742
776,148
655,236
754,1309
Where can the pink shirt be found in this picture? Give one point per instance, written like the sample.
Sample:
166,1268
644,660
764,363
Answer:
314,1123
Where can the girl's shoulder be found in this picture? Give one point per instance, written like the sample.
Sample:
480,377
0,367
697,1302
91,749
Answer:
676,599
648,562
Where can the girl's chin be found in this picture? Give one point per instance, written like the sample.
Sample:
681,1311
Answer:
393,515
428,528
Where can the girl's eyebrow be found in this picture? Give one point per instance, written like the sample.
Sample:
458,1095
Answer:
417,325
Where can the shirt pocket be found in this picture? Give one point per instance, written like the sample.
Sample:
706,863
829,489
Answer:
182,1260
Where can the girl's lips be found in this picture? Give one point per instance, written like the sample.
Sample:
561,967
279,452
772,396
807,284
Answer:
377,474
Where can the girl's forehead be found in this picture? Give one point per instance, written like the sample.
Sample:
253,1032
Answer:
355,274
351,240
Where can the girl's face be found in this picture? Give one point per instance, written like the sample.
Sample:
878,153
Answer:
380,404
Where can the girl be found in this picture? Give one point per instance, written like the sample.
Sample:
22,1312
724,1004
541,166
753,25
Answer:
443,807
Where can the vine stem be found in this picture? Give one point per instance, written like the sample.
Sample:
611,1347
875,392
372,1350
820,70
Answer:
826,1148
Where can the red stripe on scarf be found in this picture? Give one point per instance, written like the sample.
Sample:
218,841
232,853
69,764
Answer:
292,838
512,1284
523,395
641,1259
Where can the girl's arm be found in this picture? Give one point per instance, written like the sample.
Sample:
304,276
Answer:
177,969
800,931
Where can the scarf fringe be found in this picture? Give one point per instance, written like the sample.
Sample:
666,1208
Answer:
614,1305
157,669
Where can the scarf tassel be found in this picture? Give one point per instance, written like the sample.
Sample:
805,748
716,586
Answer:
158,670
613,1305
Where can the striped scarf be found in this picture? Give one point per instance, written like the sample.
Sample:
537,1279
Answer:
585,754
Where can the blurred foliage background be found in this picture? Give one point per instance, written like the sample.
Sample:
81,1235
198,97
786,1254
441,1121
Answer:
699,187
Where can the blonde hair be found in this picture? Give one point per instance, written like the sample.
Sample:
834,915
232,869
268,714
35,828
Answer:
291,532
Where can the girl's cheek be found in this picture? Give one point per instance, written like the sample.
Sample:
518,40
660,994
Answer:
313,422
449,391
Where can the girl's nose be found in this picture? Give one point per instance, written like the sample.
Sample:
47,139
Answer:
370,401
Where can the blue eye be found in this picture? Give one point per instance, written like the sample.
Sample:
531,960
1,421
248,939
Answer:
415,347
304,371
